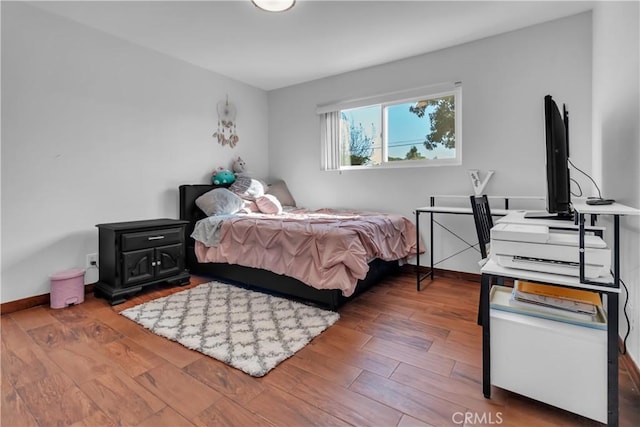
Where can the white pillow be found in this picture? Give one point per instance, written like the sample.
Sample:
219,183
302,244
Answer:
247,188
219,201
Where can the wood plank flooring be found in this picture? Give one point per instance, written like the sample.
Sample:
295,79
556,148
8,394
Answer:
396,357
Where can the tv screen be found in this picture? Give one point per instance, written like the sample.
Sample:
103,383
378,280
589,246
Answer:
557,160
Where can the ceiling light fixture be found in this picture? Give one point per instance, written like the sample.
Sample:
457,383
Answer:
274,5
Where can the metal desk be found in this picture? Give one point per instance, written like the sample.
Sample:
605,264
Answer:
452,210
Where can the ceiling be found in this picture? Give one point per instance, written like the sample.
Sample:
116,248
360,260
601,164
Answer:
313,40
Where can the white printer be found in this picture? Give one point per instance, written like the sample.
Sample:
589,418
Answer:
537,248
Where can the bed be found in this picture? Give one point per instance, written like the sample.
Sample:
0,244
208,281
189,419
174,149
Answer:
247,265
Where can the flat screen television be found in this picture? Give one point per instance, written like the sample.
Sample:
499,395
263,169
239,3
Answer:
557,159
558,200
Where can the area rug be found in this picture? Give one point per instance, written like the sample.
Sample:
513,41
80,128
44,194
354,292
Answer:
251,331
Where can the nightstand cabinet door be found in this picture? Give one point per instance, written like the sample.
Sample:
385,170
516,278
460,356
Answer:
136,254
137,266
169,260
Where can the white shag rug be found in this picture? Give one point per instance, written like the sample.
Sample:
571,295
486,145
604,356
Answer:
251,331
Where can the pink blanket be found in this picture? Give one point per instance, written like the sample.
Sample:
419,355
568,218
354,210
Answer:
326,249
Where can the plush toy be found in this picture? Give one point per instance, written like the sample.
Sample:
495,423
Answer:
222,176
239,167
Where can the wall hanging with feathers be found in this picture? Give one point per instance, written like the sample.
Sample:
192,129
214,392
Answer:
226,133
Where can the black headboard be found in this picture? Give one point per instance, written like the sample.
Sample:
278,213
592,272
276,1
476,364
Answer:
188,209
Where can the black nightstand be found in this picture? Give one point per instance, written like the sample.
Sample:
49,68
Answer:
136,254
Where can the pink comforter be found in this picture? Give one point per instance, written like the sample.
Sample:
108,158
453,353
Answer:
326,249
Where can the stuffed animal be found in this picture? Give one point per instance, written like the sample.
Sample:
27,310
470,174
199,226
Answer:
222,176
239,167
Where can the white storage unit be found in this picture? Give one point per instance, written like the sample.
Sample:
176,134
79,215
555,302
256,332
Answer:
570,366
557,363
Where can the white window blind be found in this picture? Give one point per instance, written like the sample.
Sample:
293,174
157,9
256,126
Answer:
330,137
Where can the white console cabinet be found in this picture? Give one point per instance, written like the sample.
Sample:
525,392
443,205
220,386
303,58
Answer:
557,363
564,365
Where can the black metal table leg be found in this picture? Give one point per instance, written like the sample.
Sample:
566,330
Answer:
612,331
432,202
612,359
486,336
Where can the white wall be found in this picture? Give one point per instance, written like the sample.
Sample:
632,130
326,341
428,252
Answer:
505,79
616,137
97,130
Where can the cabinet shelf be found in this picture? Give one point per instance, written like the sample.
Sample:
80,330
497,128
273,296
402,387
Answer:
501,295
492,267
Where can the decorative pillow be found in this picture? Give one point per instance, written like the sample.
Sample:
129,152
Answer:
250,207
247,188
280,190
269,204
219,201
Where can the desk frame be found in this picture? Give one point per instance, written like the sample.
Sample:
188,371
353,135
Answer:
431,210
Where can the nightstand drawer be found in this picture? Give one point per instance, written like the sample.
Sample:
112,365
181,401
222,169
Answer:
151,239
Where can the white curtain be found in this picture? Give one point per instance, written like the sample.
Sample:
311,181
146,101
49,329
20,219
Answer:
330,140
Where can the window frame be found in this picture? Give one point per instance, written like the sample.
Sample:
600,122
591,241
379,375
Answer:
387,100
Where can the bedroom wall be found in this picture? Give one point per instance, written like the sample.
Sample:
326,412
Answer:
98,130
616,138
504,80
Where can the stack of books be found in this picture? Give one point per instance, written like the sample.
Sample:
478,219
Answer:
557,301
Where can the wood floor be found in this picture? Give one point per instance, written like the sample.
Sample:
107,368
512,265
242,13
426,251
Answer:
396,357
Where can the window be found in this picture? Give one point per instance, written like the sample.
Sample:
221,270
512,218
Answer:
395,130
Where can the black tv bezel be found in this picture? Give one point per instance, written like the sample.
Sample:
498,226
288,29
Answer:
557,160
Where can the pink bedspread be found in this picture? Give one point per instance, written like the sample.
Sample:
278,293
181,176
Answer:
326,249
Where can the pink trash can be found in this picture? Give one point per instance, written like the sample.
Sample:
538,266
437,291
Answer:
67,288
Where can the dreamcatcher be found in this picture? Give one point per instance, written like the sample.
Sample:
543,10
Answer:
226,133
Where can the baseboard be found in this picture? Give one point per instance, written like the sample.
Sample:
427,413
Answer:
437,272
30,302
34,301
